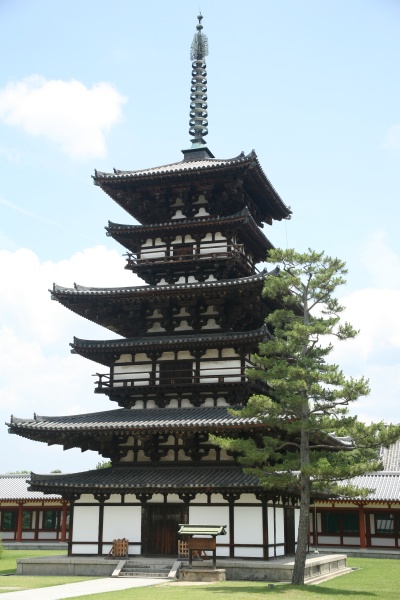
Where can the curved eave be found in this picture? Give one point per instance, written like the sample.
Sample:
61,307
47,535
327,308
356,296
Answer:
104,351
131,236
109,306
248,167
80,291
122,420
149,480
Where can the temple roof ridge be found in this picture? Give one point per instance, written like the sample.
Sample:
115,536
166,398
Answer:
181,165
244,213
145,417
195,337
258,277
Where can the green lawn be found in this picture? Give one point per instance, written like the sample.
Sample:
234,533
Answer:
373,579
376,579
8,558
13,583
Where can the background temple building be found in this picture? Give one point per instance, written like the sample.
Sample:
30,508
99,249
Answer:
187,338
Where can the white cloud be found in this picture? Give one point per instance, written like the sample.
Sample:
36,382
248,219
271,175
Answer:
392,138
64,112
37,371
381,262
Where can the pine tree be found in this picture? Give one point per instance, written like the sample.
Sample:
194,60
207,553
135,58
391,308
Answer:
315,445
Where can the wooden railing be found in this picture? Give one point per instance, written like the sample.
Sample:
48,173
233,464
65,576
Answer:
171,378
213,251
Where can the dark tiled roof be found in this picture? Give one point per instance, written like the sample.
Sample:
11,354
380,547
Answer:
131,232
386,485
149,479
15,487
391,457
211,340
143,290
177,167
246,167
144,419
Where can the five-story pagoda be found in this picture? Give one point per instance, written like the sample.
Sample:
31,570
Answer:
187,340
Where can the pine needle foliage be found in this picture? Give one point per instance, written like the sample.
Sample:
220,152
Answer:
315,446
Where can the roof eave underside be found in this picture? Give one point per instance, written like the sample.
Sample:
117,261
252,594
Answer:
103,351
248,166
144,421
149,480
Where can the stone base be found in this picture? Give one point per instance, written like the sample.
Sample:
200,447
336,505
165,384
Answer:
201,574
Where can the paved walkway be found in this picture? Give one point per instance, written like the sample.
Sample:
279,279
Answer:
84,588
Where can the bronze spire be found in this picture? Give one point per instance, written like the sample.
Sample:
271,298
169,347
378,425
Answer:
198,124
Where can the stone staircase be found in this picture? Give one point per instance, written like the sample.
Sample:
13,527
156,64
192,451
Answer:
136,568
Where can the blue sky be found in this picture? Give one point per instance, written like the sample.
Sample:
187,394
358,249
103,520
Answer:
312,86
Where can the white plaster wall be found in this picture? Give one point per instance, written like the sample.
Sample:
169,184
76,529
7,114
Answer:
47,535
212,515
351,540
84,549
139,373
116,498
329,539
85,498
122,522
86,523
248,498
270,516
280,528
296,523
382,542
248,525
372,523
228,369
151,252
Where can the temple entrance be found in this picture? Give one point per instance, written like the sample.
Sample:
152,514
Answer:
290,535
160,528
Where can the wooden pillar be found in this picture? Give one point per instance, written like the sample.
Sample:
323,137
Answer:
263,497
19,522
64,522
231,498
361,520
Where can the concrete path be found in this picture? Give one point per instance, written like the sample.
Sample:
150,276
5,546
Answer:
84,588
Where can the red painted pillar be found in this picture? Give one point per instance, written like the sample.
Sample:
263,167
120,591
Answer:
19,523
361,519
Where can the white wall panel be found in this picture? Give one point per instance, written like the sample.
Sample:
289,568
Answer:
271,532
212,515
249,552
86,524
122,522
248,525
280,528
84,549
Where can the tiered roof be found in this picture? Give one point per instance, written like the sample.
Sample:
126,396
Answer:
247,170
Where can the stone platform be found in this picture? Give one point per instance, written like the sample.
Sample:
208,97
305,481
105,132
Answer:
201,574
319,567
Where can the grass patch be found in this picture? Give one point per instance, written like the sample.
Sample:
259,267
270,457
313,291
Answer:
17,583
8,559
14,583
377,579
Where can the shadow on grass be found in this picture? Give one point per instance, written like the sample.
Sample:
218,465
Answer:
280,588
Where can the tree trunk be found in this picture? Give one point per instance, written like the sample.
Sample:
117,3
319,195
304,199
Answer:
302,535
305,492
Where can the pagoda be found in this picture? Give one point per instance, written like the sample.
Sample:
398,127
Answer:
185,342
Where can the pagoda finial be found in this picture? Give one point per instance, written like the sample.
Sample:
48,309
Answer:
198,98
198,124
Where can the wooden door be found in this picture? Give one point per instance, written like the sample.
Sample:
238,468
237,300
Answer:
290,536
160,531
